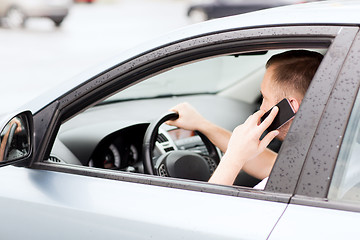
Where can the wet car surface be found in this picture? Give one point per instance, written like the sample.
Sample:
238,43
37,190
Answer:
78,159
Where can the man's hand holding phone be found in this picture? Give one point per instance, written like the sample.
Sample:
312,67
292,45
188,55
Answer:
286,113
245,145
245,139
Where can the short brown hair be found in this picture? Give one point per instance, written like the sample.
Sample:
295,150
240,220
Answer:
295,69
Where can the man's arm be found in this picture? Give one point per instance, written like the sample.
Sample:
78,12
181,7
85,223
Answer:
244,146
261,166
191,119
2,146
6,136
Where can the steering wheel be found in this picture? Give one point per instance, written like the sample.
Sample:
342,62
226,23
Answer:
9,140
181,163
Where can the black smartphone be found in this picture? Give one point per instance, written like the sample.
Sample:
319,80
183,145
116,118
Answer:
286,113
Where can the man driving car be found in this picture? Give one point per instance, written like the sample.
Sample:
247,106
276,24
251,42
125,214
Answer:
288,75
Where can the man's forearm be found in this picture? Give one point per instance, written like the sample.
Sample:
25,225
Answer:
245,146
2,146
227,170
217,135
261,166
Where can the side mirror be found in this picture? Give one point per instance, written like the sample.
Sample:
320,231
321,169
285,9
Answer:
16,139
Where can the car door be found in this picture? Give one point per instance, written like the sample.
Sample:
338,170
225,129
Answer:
60,201
326,200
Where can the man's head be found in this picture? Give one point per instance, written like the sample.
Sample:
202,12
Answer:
288,75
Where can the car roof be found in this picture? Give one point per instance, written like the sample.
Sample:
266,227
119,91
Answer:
341,12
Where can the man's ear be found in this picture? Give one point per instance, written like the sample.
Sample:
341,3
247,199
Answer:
294,103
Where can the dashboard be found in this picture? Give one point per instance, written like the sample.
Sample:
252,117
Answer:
122,150
110,136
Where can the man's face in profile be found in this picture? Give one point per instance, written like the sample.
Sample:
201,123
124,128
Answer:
272,94
269,91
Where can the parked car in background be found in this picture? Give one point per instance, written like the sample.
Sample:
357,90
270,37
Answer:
206,10
90,159
14,13
84,1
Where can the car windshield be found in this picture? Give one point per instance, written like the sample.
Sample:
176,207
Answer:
206,76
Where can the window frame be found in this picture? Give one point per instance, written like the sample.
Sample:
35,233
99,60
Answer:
303,129
49,119
336,114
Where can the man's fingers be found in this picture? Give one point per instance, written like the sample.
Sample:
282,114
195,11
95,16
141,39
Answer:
169,122
255,118
173,110
259,114
268,138
269,119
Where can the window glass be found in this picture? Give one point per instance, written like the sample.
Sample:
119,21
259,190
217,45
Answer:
206,76
345,185
110,135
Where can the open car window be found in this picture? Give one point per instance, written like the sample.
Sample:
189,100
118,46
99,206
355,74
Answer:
212,75
110,135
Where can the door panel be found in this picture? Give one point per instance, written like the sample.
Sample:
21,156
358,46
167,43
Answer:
303,222
311,213
53,205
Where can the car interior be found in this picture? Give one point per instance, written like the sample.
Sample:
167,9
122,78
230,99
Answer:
111,134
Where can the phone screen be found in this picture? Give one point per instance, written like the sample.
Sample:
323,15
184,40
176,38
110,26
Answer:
286,112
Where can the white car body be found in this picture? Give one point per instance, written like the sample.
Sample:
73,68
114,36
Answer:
98,217
41,200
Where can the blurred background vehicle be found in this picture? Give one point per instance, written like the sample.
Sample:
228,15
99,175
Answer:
205,10
84,1
89,34
14,13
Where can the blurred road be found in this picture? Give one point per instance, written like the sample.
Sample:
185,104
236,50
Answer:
40,56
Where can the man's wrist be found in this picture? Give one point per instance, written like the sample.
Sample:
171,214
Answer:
233,160
226,172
